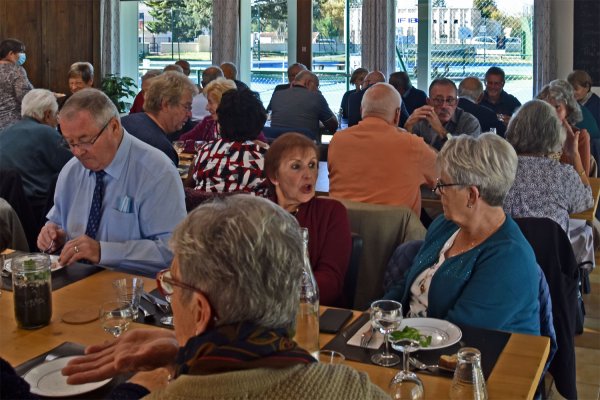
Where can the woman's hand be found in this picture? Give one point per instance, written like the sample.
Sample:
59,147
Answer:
137,350
570,147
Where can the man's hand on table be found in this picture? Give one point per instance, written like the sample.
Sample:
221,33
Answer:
136,350
80,248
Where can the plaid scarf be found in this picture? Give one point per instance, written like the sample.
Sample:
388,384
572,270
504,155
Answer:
237,347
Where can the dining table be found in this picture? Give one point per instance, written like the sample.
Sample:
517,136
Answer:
515,375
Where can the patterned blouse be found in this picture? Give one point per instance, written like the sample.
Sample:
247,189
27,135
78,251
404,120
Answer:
228,166
545,188
14,85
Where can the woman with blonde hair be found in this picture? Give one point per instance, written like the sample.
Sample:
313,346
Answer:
208,129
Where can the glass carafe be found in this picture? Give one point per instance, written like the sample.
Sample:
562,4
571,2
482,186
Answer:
307,319
32,288
468,381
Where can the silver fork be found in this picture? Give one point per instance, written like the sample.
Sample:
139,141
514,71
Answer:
366,337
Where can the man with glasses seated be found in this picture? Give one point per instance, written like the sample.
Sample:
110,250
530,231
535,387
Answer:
167,107
118,200
437,121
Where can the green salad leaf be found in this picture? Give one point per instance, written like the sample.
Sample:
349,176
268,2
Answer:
411,333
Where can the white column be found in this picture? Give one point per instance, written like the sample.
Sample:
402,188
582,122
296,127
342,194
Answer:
424,48
292,30
128,40
245,40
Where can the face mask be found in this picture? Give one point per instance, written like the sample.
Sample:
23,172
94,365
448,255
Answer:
22,58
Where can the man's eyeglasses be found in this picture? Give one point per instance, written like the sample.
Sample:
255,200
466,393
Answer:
439,186
86,145
439,101
165,282
186,107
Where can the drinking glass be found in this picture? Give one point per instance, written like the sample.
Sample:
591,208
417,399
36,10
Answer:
179,146
130,291
116,317
406,384
167,319
386,315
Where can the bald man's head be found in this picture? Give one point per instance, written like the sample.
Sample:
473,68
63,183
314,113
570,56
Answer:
229,70
210,74
471,88
372,78
294,70
383,101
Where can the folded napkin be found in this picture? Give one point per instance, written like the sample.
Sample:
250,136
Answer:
376,340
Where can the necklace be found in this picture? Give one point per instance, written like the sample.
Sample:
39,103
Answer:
456,250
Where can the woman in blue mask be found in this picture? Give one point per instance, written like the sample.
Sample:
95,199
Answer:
13,81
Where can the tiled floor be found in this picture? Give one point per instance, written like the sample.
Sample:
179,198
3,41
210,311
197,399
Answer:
587,350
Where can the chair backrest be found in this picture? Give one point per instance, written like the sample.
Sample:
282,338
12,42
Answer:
555,256
349,289
382,229
11,189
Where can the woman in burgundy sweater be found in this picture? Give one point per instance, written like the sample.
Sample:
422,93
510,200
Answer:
291,166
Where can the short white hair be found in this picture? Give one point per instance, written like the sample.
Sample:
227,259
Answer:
36,102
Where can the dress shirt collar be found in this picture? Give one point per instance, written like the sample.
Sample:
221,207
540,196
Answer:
117,165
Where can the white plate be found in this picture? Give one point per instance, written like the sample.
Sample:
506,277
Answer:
443,333
46,380
54,266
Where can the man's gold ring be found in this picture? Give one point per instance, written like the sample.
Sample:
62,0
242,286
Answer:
76,249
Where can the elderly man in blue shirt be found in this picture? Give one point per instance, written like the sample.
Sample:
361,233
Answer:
118,200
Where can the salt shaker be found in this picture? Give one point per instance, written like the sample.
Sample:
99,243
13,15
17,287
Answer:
468,381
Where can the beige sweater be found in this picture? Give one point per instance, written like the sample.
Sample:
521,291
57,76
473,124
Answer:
313,381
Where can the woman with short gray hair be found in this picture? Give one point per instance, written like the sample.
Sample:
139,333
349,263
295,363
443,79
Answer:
234,287
559,93
474,254
545,187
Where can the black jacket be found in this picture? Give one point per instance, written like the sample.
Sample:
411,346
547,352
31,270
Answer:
487,118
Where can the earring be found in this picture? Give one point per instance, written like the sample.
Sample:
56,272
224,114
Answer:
469,205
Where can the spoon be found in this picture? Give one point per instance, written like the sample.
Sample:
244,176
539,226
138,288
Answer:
429,367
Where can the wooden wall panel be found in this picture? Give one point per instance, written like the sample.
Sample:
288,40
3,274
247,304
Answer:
56,33
22,20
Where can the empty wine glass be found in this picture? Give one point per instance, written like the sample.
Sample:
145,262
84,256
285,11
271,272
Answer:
116,317
167,319
386,315
406,384
179,146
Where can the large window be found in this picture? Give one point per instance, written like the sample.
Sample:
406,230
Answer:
336,48
175,30
469,36
269,44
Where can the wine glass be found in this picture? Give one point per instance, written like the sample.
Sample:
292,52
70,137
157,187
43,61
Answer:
386,315
406,384
167,319
179,146
116,317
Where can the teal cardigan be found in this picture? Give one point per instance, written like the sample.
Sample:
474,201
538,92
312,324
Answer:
494,285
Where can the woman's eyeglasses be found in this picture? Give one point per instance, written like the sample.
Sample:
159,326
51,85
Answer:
165,282
439,186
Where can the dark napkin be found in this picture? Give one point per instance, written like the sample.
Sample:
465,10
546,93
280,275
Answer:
72,349
61,278
490,344
156,312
